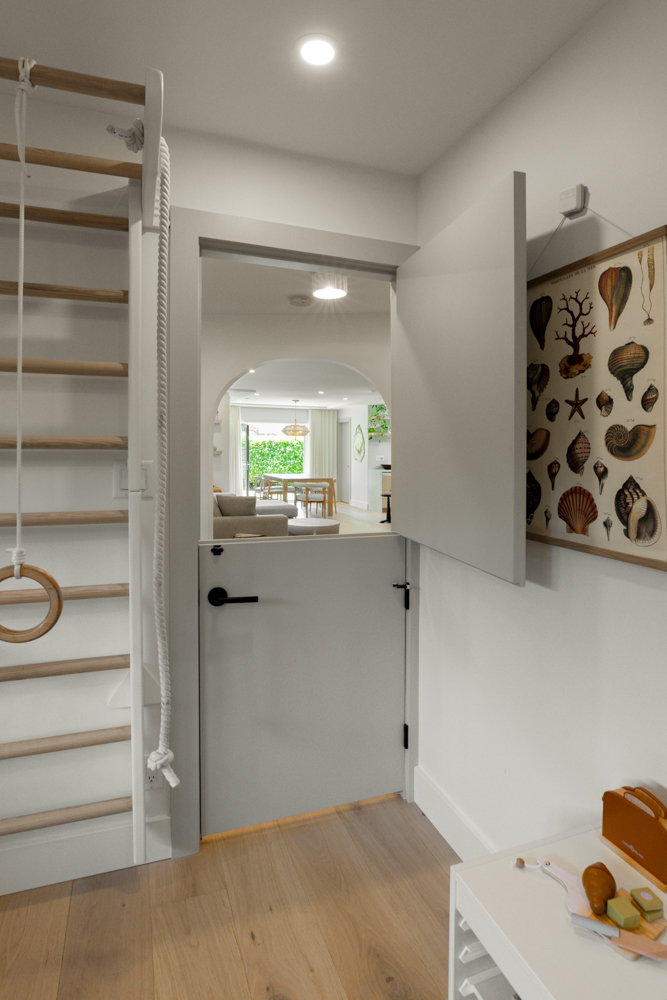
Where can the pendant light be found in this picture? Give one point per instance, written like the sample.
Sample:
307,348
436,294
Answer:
295,430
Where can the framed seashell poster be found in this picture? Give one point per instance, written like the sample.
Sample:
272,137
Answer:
596,404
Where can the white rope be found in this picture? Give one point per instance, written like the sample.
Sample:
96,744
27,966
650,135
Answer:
132,137
160,759
24,88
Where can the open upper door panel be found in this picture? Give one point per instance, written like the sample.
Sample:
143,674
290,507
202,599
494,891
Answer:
458,381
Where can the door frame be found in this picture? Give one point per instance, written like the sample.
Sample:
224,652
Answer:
190,230
349,432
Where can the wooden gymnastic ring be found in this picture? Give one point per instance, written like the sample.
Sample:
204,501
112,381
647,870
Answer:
52,615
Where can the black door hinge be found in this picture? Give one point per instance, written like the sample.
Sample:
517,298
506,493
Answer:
405,587
406,740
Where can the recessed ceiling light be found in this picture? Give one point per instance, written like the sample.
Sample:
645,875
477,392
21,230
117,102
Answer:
318,50
251,370
344,399
321,392
329,286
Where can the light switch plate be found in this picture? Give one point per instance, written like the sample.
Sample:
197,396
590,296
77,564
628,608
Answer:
120,489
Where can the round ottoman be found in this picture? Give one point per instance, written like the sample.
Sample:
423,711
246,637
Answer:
313,526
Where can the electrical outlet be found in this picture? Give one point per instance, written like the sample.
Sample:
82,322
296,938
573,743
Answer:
153,779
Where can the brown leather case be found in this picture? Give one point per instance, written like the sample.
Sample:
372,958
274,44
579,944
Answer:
635,821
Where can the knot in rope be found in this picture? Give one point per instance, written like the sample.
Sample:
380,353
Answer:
18,558
132,137
25,65
160,760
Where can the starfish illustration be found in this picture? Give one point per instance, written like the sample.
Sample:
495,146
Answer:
576,405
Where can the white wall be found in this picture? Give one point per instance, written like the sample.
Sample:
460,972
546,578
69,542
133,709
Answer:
233,344
523,691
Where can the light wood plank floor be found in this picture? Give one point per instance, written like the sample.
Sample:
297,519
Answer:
344,904
354,521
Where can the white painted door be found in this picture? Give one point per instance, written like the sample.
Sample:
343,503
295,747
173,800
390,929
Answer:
458,387
343,488
303,692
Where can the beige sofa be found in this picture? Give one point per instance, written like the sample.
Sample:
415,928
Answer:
233,525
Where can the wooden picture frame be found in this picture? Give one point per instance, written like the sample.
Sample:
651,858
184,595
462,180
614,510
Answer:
596,458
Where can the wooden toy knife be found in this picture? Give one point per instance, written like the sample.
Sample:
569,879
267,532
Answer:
623,939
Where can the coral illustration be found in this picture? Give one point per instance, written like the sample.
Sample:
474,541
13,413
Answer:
576,329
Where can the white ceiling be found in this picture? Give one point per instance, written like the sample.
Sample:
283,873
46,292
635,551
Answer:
280,382
411,77
234,288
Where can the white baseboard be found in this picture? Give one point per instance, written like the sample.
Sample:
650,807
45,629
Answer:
95,846
449,820
359,503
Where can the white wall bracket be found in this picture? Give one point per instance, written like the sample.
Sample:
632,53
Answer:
572,200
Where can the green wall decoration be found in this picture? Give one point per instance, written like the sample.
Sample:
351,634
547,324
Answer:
379,424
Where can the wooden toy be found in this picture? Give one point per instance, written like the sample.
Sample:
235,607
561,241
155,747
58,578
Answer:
599,885
634,825
650,906
577,902
623,913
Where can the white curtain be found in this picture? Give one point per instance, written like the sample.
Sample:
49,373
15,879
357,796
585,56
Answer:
323,443
235,468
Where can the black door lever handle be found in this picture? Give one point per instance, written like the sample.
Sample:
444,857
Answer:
218,596
405,587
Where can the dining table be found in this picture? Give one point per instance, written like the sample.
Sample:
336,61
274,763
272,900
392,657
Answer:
286,478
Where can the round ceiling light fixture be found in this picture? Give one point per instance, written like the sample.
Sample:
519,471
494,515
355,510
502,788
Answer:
329,286
295,430
318,50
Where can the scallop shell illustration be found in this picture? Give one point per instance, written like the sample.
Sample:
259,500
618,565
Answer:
608,523
553,469
578,509
628,494
614,286
538,442
624,363
601,471
547,517
578,453
605,403
553,406
629,444
533,496
649,399
644,527
537,381
539,316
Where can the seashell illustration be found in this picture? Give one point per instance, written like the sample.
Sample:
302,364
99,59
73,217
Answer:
614,286
538,442
552,471
538,379
553,406
547,517
650,263
628,445
533,496
578,453
578,509
650,398
628,494
605,403
624,363
540,314
644,527
601,471
608,525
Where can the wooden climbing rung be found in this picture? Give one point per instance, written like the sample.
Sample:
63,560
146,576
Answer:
72,161
70,741
73,814
54,366
64,517
34,595
33,290
56,668
61,217
76,83
51,442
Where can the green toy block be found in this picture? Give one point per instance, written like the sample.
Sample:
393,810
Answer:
623,913
650,905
